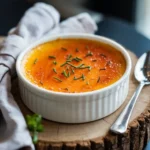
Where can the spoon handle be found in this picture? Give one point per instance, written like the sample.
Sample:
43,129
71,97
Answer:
121,123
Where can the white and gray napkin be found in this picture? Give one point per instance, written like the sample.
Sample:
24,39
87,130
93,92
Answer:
40,20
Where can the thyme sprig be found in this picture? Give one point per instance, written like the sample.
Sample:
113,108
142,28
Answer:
69,57
51,57
34,125
57,79
54,62
66,89
71,65
81,77
41,82
35,61
77,50
77,59
72,70
102,69
69,74
98,79
87,47
89,54
63,64
81,66
65,49
87,83
54,70
108,63
65,74
84,67
103,55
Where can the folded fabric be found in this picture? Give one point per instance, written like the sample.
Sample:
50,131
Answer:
40,20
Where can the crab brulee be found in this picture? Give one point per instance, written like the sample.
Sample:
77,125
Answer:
74,65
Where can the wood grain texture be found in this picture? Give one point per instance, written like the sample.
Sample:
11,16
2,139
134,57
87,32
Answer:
95,135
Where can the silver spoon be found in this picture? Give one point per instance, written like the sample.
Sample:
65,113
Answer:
142,74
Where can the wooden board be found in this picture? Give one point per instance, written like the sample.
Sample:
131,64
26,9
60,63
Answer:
96,135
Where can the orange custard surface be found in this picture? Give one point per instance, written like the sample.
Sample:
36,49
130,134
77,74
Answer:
74,65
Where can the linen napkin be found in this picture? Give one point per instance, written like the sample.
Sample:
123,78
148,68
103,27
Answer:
40,20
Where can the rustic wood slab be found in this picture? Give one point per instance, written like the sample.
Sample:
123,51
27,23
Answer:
95,135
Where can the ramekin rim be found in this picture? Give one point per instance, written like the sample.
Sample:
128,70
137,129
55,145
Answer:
71,36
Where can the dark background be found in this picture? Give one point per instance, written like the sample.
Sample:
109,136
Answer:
12,10
124,9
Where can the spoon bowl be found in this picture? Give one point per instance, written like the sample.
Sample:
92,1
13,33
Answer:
142,74
142,67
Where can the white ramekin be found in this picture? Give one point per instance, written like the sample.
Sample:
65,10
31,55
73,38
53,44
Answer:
74,107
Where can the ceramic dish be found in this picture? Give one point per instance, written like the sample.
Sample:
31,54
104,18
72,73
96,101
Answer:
74,107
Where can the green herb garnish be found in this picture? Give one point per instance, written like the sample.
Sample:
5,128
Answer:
64,73
52,57
87,47
35,61
102,69
77,59
108,63
98,79
71,65
84,67
54,70
69,56
89,54
65,49
34,125
77,50
66,89
54,62
58,79
87,83
82,77
103,55
72,70
41,82
63,64
80,66
68,74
